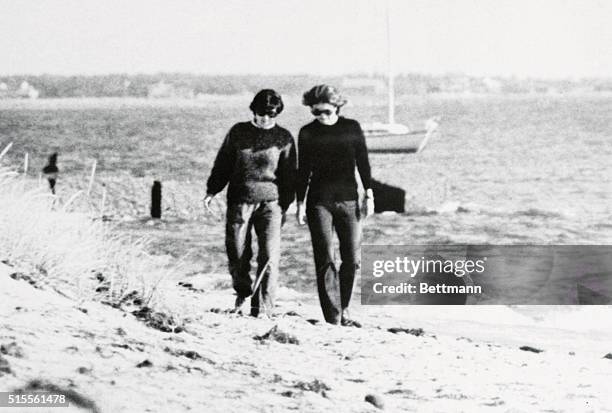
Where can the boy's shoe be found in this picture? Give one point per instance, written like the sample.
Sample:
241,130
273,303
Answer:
240,300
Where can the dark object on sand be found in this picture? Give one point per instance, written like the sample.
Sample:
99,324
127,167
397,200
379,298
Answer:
532,349
51,170
156,198
158,320
277,335
72,396
413,331
11,349
608,356
5,368
388,198
375,400
316,386
292,314
144,363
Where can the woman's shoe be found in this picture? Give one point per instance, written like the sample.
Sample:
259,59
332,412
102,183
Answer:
347,322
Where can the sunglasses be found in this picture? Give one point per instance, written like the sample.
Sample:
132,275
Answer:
319,112
270,113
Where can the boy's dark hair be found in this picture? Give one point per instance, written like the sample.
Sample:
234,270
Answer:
267,101
323,94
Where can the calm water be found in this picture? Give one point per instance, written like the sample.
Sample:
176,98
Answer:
501,170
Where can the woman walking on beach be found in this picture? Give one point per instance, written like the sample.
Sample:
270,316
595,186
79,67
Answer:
258,160
330,148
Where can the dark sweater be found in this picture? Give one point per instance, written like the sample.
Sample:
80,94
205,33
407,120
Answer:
259,164
328,155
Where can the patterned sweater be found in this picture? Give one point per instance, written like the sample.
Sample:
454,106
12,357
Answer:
259,165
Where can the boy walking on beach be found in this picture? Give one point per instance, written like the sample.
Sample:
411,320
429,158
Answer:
258,160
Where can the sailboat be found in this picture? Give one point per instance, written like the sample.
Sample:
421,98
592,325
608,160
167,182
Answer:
395,137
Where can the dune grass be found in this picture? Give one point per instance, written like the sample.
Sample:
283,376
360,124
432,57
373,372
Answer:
64,245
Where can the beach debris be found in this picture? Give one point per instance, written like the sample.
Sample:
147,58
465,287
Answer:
191,287
292,314
289,393
190,354
400,391
71,349
11,349
413,331
495,401
144,363
376,401
21,276
532,349
278,335
83,370
357,380
4,367
157,320
608,356
315,386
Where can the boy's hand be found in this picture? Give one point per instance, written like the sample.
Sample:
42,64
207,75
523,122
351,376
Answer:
300,214
207,200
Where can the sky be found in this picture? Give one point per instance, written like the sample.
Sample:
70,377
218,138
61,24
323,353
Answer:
524,38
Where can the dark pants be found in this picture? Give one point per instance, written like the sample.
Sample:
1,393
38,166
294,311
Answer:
335,287
265,217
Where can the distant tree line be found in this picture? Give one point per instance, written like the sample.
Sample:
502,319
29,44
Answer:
140,85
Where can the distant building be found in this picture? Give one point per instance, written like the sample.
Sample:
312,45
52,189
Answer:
492,85
163,90
27,91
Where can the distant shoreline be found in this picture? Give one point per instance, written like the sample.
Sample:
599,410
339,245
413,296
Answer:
89,102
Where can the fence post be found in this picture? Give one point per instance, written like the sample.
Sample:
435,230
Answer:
156,198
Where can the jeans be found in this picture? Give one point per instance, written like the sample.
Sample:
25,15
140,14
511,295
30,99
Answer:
266,218
335,287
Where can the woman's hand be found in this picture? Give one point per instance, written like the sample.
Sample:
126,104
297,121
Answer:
300,214
369,203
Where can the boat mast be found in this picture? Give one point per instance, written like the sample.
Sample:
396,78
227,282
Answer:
390,85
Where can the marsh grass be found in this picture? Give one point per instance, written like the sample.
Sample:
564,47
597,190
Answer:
63,245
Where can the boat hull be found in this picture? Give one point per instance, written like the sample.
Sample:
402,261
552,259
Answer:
395,143
397,138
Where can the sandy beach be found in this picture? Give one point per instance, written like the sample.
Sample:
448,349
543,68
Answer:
464,359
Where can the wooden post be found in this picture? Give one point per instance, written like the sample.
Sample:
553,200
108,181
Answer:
91,178
156,198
